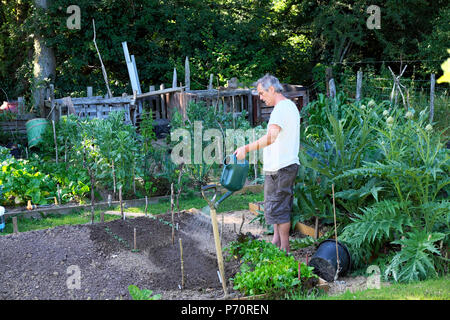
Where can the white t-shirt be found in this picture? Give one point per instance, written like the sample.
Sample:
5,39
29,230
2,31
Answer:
284,150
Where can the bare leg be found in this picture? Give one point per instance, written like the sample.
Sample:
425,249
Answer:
283,231
276,240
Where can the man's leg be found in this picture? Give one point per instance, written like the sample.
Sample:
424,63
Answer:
283,231
276,240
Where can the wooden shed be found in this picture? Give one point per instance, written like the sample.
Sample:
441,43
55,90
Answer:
297,93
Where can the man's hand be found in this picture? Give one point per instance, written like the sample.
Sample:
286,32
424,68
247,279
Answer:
263,142
240,153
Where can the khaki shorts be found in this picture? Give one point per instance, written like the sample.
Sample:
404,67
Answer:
279,194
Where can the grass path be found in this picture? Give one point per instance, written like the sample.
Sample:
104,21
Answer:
432,289
235,202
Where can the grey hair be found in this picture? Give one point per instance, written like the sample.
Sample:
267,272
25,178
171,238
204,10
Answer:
269,80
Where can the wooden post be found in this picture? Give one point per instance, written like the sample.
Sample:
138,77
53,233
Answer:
105,75
146,205
171,209
328,76
332,89
182,263
51,97
179,188
433,82
183,104
174,78
335,235
15,228
102,216
187,75
250,108
359,76
58,192
54,138
121,203
134,238
316,228
156,103
21,106
210,85
135,107
91,174
163,103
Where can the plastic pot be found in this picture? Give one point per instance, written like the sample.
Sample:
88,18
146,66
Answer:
324,260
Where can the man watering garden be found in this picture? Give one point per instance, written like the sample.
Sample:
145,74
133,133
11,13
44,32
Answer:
281,146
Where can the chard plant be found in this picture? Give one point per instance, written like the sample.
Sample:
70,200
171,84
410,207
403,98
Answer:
266,269
142,294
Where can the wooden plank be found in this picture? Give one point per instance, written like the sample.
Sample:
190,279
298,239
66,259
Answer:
301,227
133,61
159,92
306,230
130,67
97,100
214,93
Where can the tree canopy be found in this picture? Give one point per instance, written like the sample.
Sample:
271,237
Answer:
228,38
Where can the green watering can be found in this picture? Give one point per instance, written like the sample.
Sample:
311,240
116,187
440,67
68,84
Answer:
233,179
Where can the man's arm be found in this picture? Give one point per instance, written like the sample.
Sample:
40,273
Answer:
262,142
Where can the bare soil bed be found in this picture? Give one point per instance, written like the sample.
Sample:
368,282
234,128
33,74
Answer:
39,264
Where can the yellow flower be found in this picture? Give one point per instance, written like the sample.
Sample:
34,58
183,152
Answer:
446,68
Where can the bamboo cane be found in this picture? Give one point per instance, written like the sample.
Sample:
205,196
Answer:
134,238
146,205
171,208
182,264
335,235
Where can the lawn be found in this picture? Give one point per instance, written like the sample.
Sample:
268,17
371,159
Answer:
432,289
235,202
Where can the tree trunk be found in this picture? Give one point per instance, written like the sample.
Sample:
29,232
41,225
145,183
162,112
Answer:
44,65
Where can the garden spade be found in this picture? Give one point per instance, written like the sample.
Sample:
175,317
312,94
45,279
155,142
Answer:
233,178
212,214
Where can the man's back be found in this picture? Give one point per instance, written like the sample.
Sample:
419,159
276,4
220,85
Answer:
284,151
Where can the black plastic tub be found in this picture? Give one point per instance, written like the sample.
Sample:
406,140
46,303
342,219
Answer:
324,260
